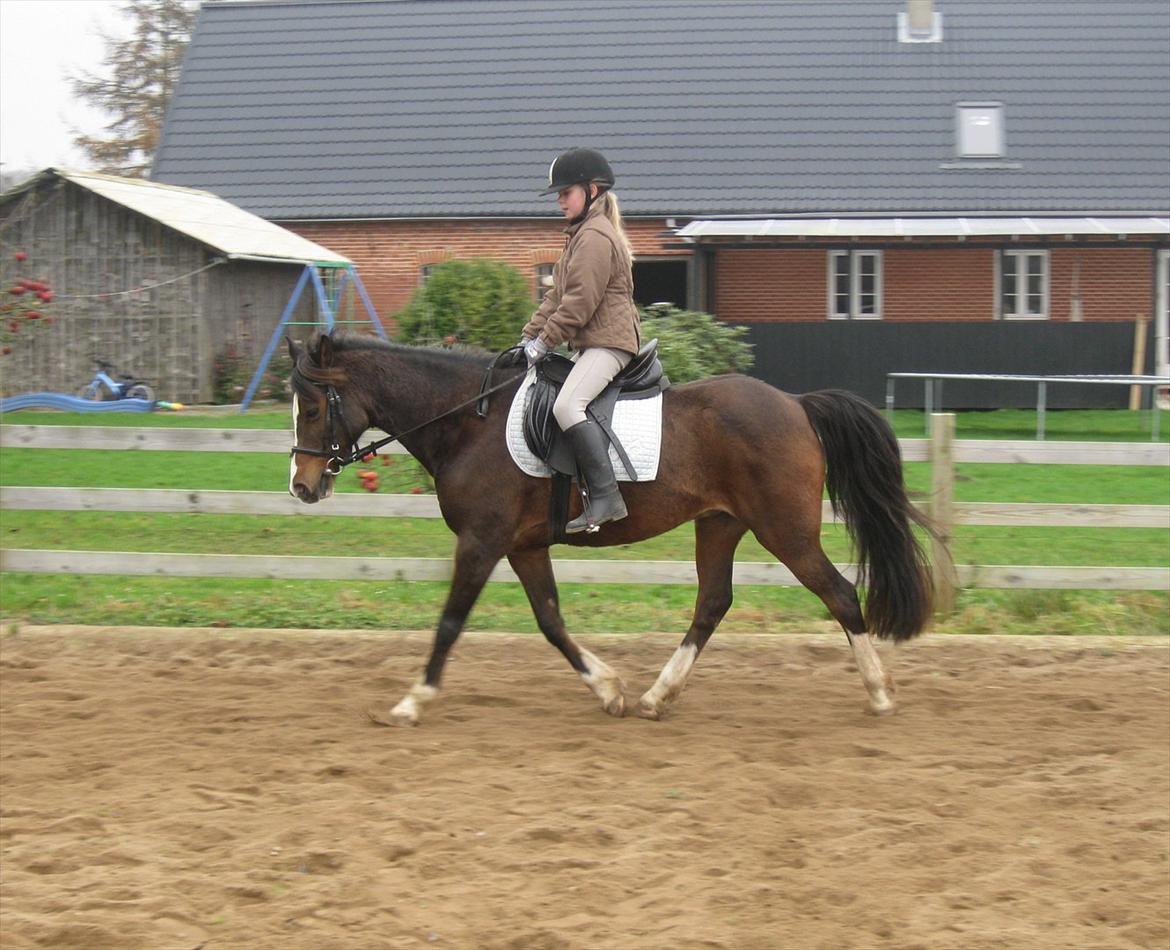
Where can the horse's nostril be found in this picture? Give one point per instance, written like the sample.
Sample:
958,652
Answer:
303,493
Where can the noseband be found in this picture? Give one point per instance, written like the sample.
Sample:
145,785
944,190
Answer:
333,415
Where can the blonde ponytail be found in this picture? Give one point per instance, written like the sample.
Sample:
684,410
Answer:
611,210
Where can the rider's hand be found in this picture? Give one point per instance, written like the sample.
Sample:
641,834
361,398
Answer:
536,350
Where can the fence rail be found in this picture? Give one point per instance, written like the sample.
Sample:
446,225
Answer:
269,440
942,451
353,505
568,571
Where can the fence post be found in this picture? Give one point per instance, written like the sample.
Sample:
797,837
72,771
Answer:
942,508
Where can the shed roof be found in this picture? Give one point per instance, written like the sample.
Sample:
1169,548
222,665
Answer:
302,109
199,215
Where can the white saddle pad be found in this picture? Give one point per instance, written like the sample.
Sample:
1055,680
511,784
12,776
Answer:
637,423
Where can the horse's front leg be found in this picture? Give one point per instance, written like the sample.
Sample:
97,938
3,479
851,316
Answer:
473,566
716,537
534,568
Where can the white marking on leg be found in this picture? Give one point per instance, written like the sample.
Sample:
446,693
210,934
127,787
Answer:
292,457
670,683
606,684
410,707
878,683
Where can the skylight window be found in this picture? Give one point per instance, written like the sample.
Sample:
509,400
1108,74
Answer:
920,23
979,130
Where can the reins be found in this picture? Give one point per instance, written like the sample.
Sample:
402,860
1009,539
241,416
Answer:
333,411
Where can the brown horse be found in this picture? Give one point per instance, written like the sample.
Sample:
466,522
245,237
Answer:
737,455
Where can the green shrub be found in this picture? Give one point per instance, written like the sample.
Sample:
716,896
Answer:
486,303
692,344
477,302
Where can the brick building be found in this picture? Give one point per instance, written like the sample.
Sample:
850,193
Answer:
870,185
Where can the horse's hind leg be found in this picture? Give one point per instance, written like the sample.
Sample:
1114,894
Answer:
716,537
536,574
816,572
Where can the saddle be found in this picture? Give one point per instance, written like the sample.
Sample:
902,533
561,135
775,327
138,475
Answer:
642,378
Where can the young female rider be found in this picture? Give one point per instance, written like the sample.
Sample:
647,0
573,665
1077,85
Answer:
591,307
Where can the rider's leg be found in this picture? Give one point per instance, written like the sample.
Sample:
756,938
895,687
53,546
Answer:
594,369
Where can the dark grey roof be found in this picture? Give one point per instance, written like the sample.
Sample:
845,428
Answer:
402,108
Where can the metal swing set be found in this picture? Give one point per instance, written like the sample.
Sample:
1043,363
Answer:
330,280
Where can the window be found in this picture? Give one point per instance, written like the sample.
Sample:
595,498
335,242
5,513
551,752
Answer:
855,285
979,130
1023,285
543,280
424,273
919,23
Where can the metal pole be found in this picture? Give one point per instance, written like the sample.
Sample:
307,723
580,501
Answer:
889,399
928,402
370,311
1041,404
322,300
271,348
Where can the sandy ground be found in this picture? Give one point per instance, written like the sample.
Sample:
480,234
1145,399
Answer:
224,789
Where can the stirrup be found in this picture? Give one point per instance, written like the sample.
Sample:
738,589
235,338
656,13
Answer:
613,508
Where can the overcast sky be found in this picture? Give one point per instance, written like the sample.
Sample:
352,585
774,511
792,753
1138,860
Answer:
42,43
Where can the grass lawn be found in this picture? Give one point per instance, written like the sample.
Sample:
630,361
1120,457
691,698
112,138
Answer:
588,608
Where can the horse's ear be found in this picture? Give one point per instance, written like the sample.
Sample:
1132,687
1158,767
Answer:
295,349
325,351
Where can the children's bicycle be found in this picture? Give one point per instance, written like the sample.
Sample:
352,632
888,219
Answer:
104,387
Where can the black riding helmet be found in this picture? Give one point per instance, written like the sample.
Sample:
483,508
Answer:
578,166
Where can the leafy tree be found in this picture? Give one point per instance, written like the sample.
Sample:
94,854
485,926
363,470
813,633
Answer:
693,344
479,302
139,74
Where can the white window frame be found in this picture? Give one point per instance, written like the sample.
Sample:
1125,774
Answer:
424,273
542,271
1162,313
854,285
1021,257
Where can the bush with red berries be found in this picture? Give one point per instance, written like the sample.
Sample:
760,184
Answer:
24,306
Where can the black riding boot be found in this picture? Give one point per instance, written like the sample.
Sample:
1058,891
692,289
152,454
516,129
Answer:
604,500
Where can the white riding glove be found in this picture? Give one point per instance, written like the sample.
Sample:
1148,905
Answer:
536,350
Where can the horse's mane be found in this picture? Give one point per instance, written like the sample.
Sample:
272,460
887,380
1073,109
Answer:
462,353
307,374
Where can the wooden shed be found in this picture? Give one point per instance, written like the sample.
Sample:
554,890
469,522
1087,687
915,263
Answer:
157,280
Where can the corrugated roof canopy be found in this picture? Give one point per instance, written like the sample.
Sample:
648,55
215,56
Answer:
920,227
205,217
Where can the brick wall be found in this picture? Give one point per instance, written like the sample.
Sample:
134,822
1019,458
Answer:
790,284
939,284
1115,283
389,254
751,284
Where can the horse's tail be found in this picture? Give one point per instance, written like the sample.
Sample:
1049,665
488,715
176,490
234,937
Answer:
866,489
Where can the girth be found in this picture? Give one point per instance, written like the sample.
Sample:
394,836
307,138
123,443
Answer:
642,378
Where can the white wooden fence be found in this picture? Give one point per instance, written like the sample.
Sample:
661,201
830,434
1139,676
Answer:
942,449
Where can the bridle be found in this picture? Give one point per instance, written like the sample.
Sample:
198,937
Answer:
334,415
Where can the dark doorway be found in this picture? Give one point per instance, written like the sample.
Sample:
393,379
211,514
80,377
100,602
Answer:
660,282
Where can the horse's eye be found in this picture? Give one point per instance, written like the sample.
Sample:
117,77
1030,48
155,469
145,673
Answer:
312,414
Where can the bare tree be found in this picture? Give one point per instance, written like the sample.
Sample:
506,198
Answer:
138,76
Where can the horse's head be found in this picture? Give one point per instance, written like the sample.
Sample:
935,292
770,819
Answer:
326,427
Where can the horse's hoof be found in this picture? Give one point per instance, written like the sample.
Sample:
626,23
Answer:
393,718
616,707
647,710
888,708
